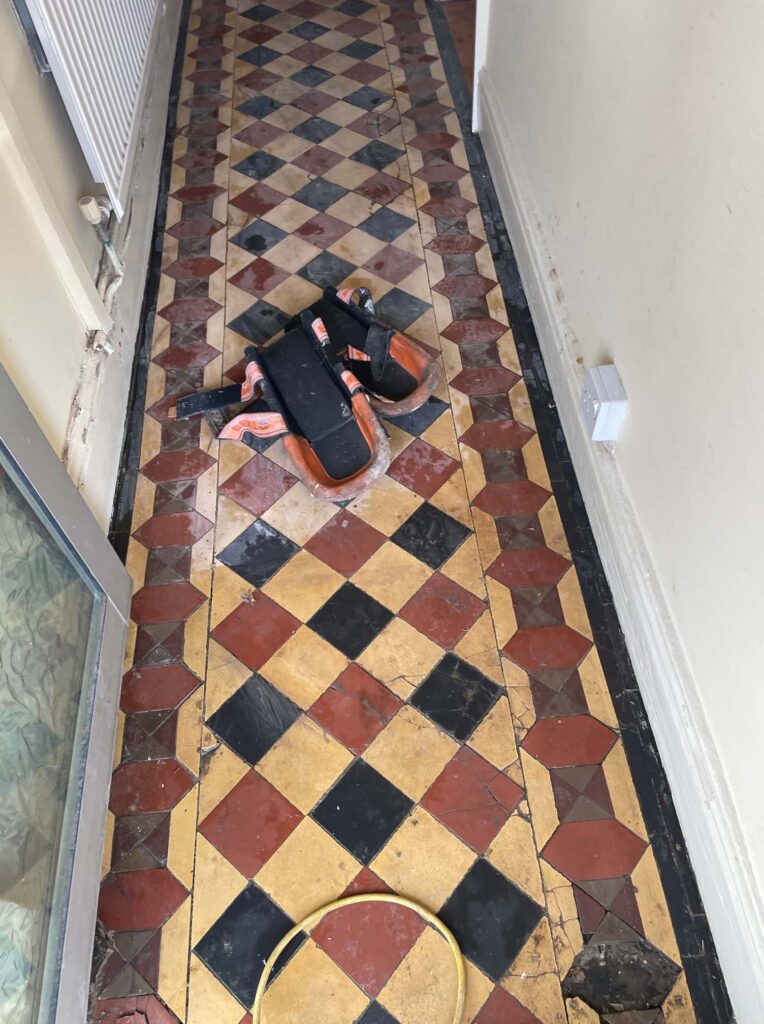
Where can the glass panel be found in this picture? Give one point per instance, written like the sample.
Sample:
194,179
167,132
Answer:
51,617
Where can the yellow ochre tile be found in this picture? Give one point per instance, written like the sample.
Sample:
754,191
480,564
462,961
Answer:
304,667
386,505
310,984
411,752
401,657
392,576
423,988
513,852
303,585
209,999
298,514
304,763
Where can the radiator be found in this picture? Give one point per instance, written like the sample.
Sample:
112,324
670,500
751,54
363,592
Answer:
100,53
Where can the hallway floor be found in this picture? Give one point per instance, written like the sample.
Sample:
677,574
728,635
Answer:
402,694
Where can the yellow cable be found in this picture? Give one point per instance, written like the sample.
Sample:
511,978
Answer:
375,897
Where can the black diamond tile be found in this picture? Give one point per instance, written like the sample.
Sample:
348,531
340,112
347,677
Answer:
456,696
259,236
258,553
418,421
311,76
399,309
377,154
353,8
359,49
375,1013
350,620
241,940
316,129
258,166
259,56
491,918
320,194
386,225
260,322
430,535
259,106
260,12
253,719
367,97
308,30
326,270
362,811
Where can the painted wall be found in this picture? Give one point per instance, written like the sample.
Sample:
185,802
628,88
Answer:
639,129
77,396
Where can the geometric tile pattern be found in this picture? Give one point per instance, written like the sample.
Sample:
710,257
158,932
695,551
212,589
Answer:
403,694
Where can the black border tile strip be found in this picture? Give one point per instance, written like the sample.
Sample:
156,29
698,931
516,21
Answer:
696,945
130,458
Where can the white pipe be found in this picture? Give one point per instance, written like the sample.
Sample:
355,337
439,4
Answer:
96,213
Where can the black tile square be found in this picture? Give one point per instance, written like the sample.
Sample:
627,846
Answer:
350,620
258,553
375,1013
417,422
326,270
237,945
259,165
430,535
456,696
260,12
308,30
253,719
377,154
491,918
260,322
260,56
400,309
367,97
259,106
386,225
259,236
320,194
362,810
359,49
311,76
316,129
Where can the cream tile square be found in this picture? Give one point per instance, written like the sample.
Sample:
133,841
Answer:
303,585
386,505
391,576
352,208
513,852
411,752
349,173
304,667
401,657
289,215
292,253
357,247
423,988
299,515
311,980
304,763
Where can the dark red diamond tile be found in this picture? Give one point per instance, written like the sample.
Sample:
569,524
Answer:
502,1008
192,267
455,245
250,823
255,630
258,199
205,101
512,498
186,357
195,227
141,787
133,1010
187,310
258,135
195,159
197,193
590,912
464,286
314,102
156,687
258,484
443,610
548,647
587,850
307,8
472,798
355,709
433,140
318,160
439,172
310,53
176,531
180,465
497,435
357,27
573,740
345,543
366,881
369,941
373,127
382,188
208,76
259,79
466,331
489,380
529,567
259,277
365,73
322,230
450,206
171,603
134,901
259,33
392,264
422,468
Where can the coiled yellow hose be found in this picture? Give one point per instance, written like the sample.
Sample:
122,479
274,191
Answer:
375,897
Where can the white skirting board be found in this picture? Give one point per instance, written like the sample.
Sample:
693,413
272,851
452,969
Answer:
699,788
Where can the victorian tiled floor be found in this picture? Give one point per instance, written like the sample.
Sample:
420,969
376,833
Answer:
400,694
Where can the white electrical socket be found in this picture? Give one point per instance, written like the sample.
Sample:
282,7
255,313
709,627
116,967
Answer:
603,403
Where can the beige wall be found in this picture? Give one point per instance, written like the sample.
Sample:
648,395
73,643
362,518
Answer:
638,129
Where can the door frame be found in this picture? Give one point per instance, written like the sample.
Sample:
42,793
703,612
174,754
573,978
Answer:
482,23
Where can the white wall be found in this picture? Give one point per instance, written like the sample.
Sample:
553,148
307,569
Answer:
627,142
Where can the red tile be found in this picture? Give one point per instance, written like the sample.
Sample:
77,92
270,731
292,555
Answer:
433,140
197,193
392,264
369,940
193,267
259,79
177,465
133,1010
465,331
489,380
357,27
497,436
573,740
372,127
258,484
547,647
365,72
586,850
382,188
365,882
195,227
464,286
319,159
258,135
258,199
355,709
180,530
307,8
141,787
156,687
259,277
529,567
250,823
512,498
450,206
255,630
309,53
443,610
472,799
590,913
345,543
134,901
172,602
422,468
443,171
183,311
185,357
322,230
259,33
502,1008
314,102
456,245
